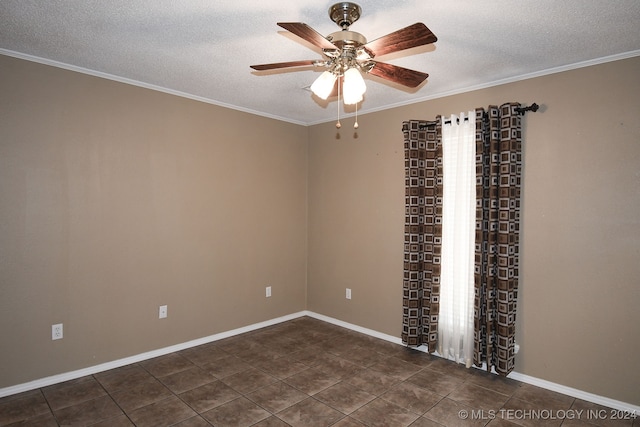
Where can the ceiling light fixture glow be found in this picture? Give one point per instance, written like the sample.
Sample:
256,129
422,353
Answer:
323,86
353,87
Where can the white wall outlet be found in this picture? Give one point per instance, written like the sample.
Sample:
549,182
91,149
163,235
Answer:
56,331
348,294
162,312
268,291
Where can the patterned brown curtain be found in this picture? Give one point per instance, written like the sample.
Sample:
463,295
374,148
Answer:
499,179
422,232
498,175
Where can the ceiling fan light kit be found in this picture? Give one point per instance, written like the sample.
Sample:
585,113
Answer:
347,55
353,87
323,86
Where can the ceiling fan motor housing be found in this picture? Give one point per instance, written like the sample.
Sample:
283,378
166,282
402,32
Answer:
344,14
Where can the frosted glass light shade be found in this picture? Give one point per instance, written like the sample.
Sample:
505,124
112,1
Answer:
323,86
353,86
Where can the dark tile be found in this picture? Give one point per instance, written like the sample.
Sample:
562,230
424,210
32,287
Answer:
350,422
249,380
417,357
339,345
344,397
310,412
310,356
315,335
42,420
166,365
384,347
339,367
494,382
238,412
22,395
264,336
523,413
188,379
203,354
165,412
234,345
276,397
359,339
89,412
438,382
209,396
196,421
140,394
363,356
23,406
396,368
72,393
410,396
226,366
382,413
499,422
450,368
282,367
453,414
119,421
371,381
578,423
474,396
602,416
542,398
123,377
424,422
285,345
258,355
311,381
272,421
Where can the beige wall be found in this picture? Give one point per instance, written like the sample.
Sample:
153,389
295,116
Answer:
116,199
579,309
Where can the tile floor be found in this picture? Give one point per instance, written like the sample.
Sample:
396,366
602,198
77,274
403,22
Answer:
302,372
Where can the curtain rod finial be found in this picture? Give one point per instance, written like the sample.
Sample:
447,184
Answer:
533,107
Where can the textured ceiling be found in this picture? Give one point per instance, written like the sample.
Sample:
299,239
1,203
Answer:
203,49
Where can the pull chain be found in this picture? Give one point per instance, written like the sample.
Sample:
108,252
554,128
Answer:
338,125
355,125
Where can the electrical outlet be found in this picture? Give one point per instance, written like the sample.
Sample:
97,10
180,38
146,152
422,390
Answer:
162,312
268,291
348,294
56,331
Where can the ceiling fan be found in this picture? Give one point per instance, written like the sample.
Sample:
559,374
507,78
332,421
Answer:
347,53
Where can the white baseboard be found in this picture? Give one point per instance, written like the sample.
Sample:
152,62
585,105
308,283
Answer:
366,331
55,379
579,394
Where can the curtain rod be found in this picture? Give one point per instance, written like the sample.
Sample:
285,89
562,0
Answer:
520,110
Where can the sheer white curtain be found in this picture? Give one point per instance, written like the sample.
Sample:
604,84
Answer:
455,327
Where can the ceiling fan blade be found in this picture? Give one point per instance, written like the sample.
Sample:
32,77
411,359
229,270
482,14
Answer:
403,76
412,36
276,65
307,33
